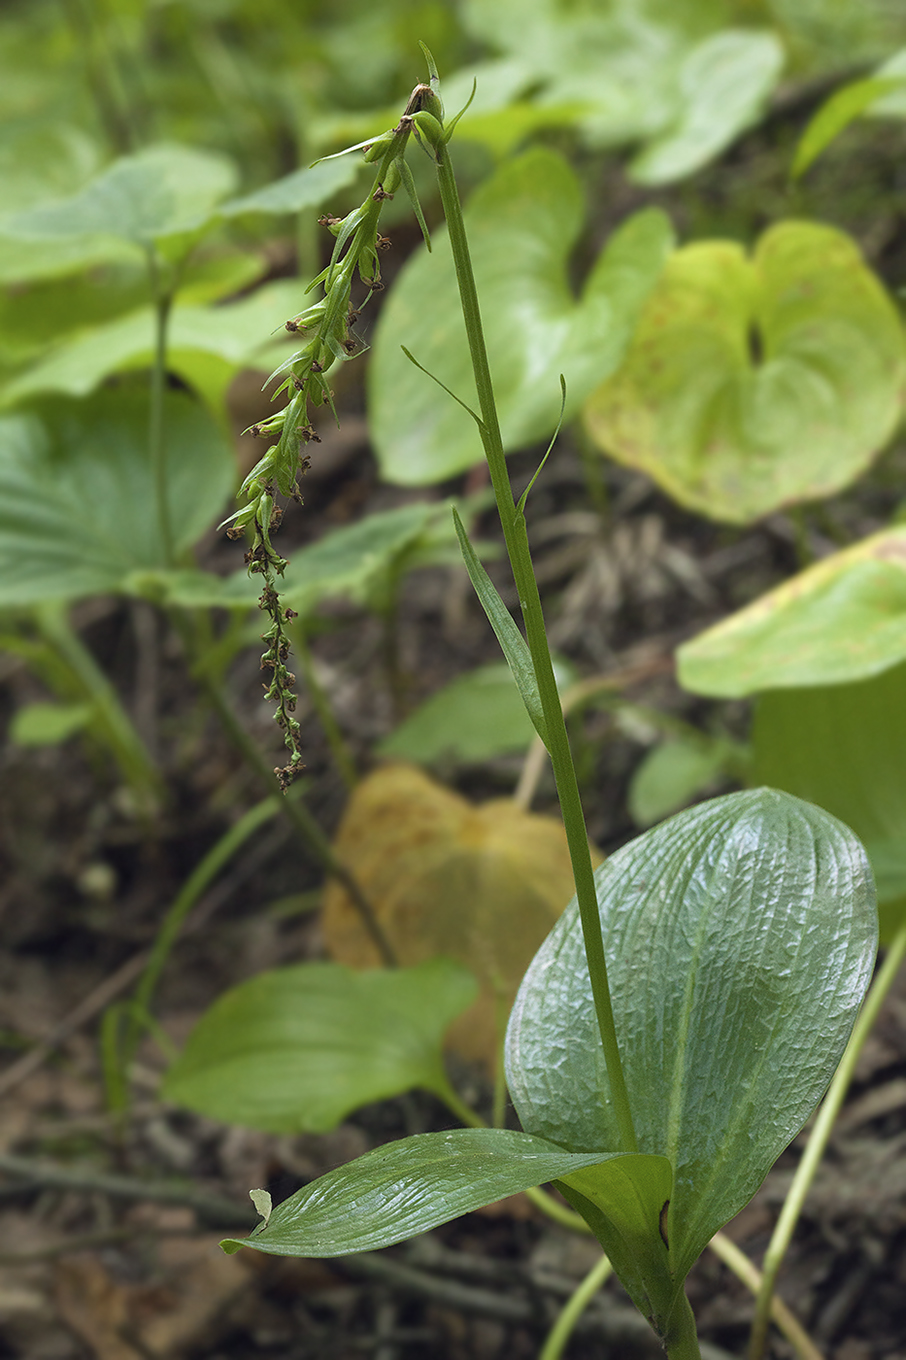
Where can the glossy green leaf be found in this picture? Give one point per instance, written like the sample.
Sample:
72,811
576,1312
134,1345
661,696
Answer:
306,188
842,619
297,1049
48,724
163,191
836,115
740,936
754,383
844,748
522,224
671,775
724,84
409,1187
207,346
476,717
512,643
77,492
892,104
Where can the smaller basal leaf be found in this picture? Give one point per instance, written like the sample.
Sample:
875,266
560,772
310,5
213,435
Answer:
754,383
724,84
297,1049
48,724
306,188
409,1187
163,191
671,775
523,223
476,717
740,936
480,884
836,115
842,619
77,492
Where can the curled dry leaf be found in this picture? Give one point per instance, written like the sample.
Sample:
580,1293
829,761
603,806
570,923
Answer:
483,885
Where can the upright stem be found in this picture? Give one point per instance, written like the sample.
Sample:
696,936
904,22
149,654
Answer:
817,1143
682,1344
516,539
163,301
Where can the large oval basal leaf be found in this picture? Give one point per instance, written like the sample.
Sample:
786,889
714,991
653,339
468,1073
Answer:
77,492
522,224
411,1186
740,937
755,383
842,619
298,1049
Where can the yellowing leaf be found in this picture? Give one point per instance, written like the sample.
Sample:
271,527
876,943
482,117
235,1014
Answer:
483,885
753,383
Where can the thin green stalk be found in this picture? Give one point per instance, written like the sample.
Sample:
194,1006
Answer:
125,742
682,1343
204,872
295,811
516,538
572,1310
817,1143
335,739
163,301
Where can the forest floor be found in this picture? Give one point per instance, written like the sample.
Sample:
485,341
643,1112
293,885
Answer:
109,1225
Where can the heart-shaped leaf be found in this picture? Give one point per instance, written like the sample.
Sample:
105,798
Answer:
412,1186
522,224
77,493
844,748
755,383
298,1049
163,191
740,937
840,620
480,884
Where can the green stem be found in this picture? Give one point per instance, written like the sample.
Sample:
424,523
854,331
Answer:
204,872
516,538
295,811
817,1143
163,301
578,1301
682,1343
127,746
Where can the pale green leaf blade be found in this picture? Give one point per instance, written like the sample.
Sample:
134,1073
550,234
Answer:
297,1049
77,493
512,643
840,620
671,775
740,936
844,748
836,115
522,225
305,188
163,191
228,337
409,1187
48,724
725,82
756,383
